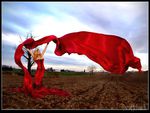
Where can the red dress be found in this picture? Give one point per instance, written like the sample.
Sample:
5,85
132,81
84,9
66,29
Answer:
39,73
39,90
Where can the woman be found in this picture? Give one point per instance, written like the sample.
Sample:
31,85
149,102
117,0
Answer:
38,57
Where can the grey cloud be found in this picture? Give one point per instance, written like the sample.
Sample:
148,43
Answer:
7,29
23,15
140,41
95,17
7,52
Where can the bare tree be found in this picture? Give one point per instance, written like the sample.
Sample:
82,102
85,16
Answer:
91,69
27,55
29,60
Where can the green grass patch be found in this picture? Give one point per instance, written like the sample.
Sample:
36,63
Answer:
65,74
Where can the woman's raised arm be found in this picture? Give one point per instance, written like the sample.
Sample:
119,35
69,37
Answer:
44,49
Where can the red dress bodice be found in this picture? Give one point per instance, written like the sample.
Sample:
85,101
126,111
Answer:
40,64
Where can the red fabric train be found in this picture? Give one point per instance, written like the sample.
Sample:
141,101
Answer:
113,53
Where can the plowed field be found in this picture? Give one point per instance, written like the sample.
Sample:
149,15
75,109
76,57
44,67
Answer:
99,91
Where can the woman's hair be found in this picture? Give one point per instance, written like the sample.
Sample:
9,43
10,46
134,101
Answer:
36,53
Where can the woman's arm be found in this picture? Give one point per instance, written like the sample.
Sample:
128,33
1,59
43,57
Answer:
44,49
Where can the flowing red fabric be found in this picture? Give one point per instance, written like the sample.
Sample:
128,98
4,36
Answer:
36,88
113,53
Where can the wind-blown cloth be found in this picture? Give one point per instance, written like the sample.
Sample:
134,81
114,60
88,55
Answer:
113,53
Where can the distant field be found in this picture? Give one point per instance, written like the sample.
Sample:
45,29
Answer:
20,72
97,91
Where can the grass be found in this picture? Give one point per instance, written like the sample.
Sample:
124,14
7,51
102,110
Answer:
20,72
66,73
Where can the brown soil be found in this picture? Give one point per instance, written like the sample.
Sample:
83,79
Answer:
100,91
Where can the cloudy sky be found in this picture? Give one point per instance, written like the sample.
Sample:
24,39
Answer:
125,19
